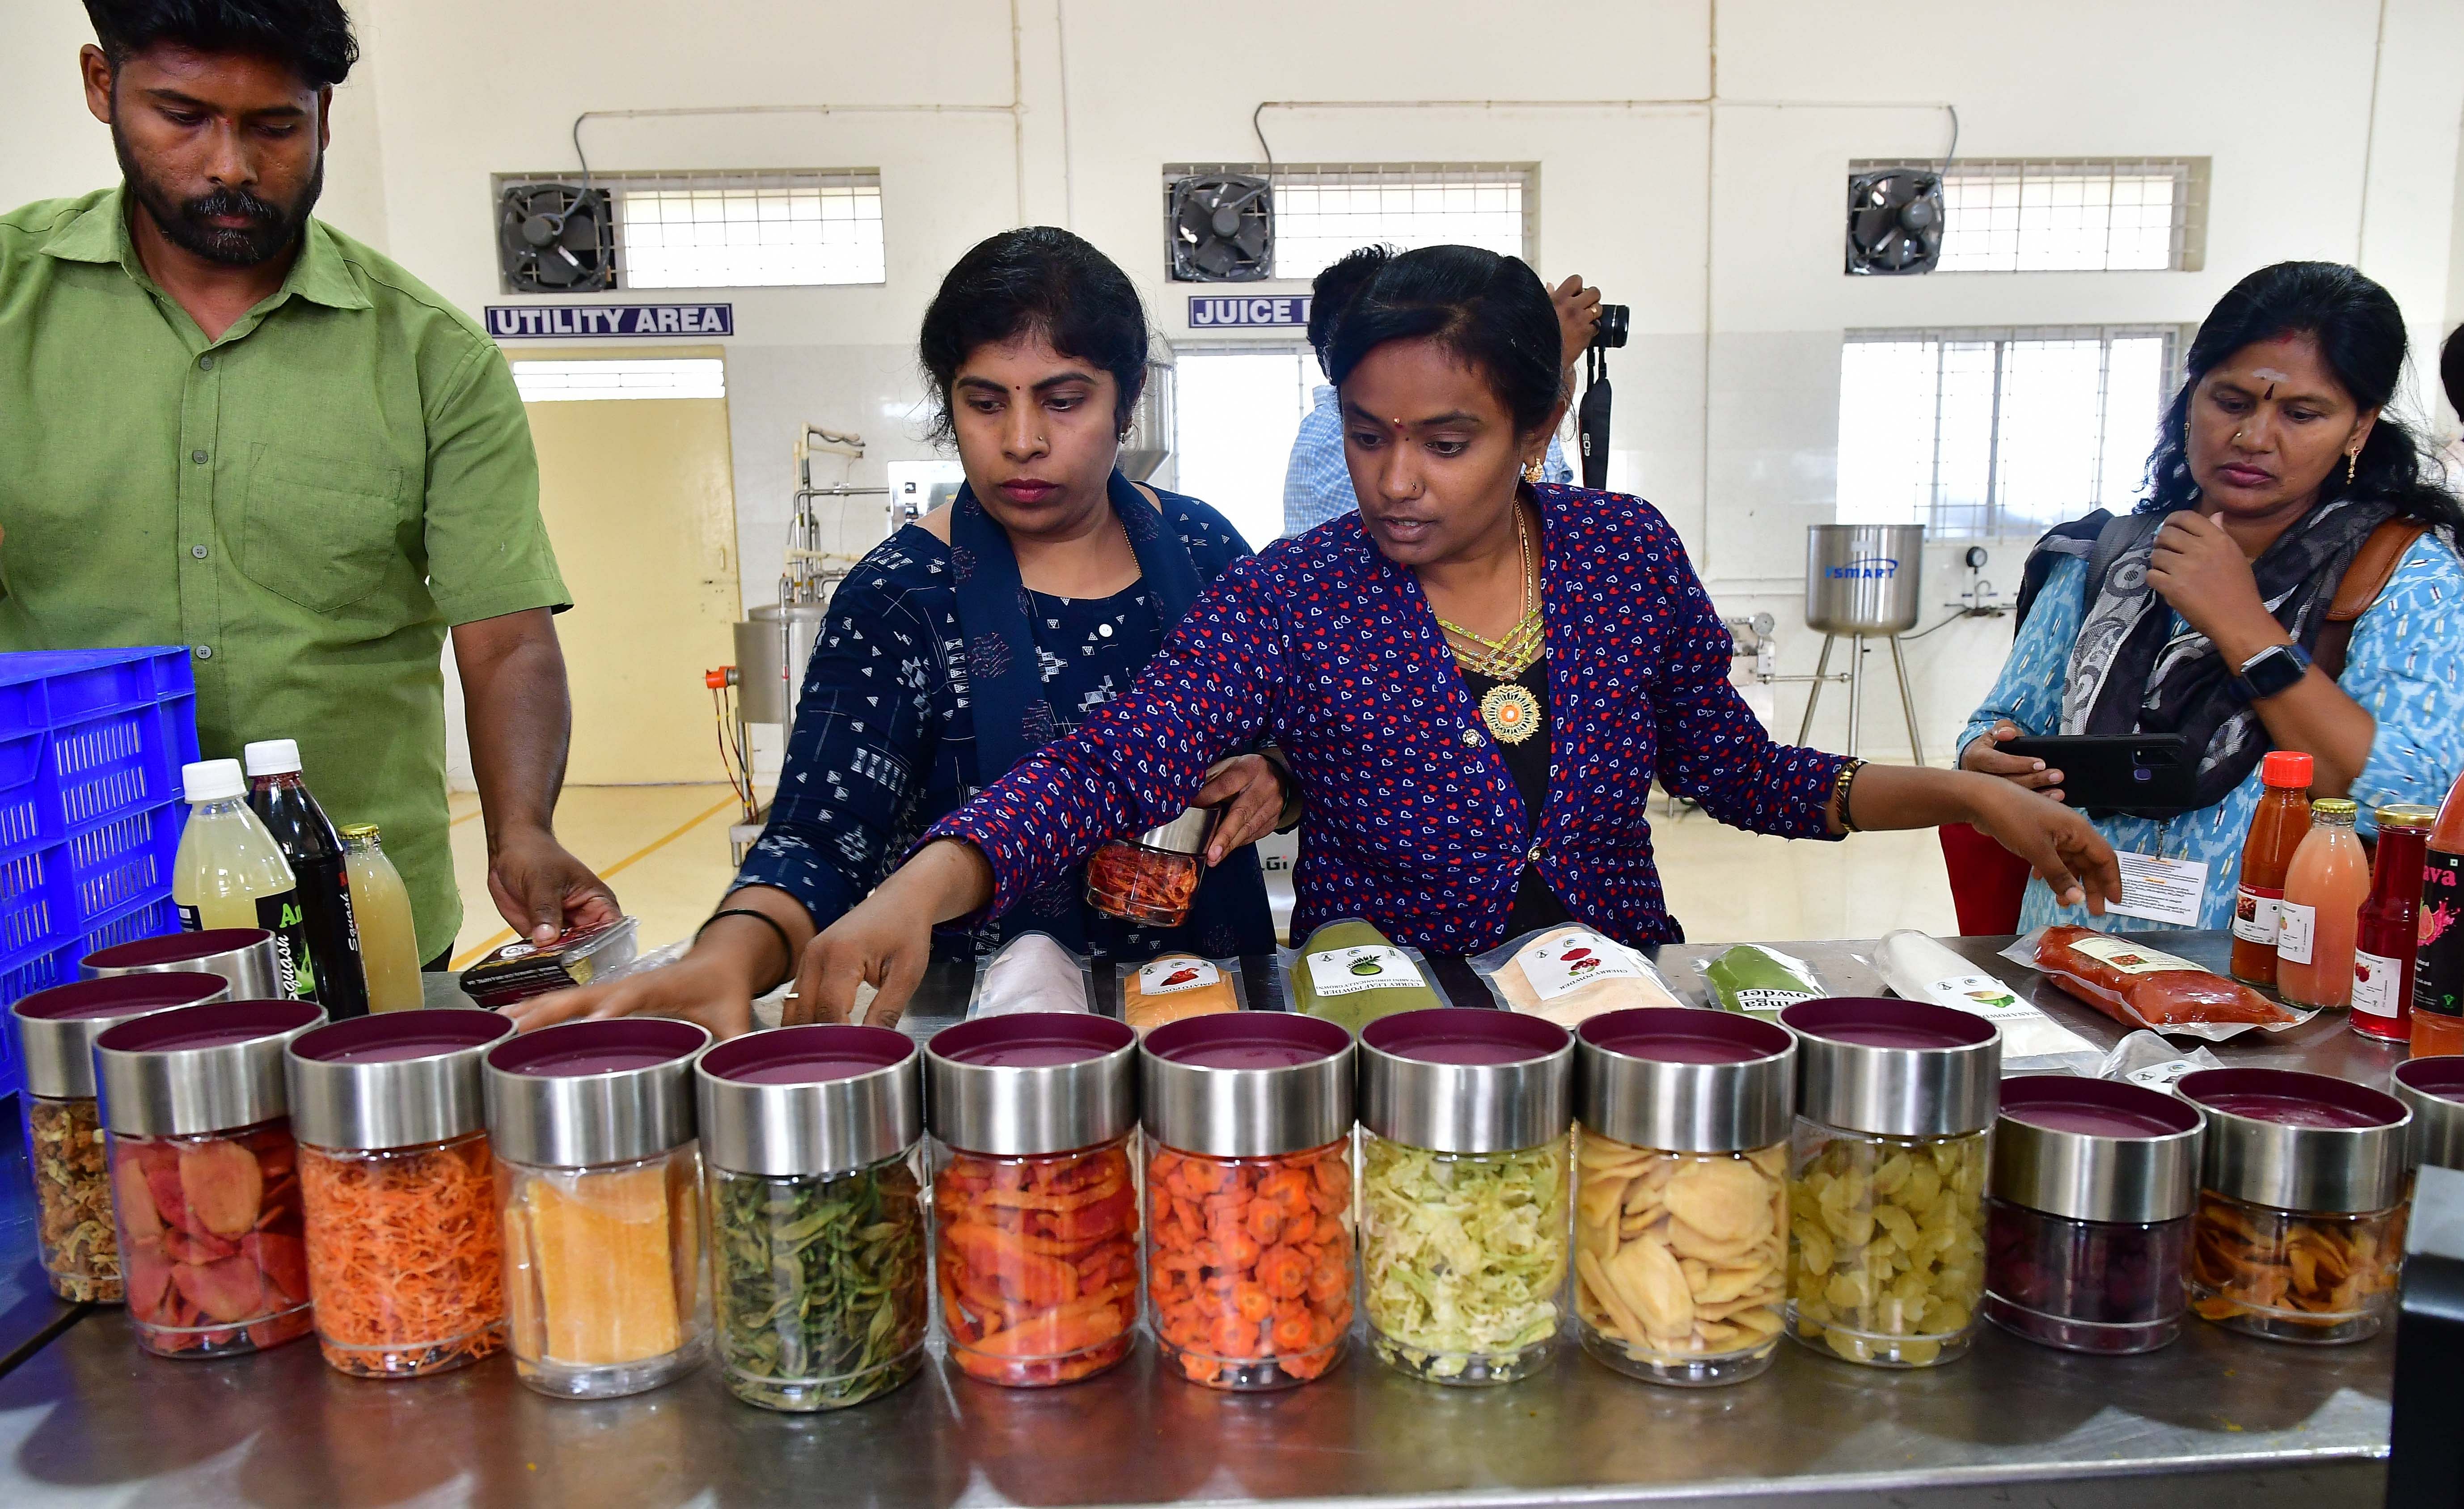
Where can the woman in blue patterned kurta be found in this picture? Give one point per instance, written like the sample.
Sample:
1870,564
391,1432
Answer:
2275,463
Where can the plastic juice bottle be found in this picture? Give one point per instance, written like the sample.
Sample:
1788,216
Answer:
2276,830
2438,972
2324,888
389,948
282,799
230,872
2390,926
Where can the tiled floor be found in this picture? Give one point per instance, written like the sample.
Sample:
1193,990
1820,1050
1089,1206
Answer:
664,848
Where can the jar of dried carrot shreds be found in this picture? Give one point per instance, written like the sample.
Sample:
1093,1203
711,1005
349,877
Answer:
1035,1215
403,1259
1248,1123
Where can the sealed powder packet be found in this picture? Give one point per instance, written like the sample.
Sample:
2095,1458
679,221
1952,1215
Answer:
520,970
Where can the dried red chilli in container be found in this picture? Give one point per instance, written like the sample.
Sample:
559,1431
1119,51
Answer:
56,1030
1154,877
204,1179
406,1263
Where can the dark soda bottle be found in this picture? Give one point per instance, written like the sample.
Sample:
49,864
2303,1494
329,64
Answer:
282,799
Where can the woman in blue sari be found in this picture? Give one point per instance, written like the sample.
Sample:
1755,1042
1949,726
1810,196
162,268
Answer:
968,640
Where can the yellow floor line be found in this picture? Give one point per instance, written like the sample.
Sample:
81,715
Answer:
475,812
481,950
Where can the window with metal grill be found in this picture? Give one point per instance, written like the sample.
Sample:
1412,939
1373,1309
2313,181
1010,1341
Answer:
1990,433
720,229
2077,214
1326,210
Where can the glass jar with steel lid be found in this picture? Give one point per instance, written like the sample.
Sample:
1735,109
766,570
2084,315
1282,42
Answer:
1035,1211
204,1177
813,1137
246,957
1681,1192
1249,1135
56,1030
2304,1182
2088,1213
1466,1117
2432,1090
404,1256
1152,878
1886,1185
599,1192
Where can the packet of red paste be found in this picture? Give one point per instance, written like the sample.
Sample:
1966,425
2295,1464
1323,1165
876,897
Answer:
520,970
2142,986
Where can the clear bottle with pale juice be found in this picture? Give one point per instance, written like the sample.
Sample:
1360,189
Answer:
230,872
2324,888
389,948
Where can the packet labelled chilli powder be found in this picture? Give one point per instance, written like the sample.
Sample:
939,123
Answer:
520,970
2142,986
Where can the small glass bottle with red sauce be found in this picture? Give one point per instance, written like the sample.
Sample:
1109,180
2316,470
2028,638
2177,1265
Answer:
1152,878
2276,828
2389,933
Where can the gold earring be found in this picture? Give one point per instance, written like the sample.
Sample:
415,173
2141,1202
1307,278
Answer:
2352,464
1532,469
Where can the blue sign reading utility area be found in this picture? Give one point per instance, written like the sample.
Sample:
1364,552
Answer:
569,321
1212,313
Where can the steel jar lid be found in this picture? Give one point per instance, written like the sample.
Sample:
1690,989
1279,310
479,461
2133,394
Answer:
211,1068
1684,1081
2432,1090
2300,1141
588,1093
396,1080
1894,1068
1185,834
1031,1082
2096,1150
815,1100
56,1027
1466,1080
245,956
1246,1084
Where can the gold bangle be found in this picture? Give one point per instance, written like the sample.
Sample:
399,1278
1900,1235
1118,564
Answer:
1840,784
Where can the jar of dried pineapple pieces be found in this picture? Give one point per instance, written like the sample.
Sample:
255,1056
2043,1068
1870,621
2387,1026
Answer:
2304,1182
1681,1192
1887,1184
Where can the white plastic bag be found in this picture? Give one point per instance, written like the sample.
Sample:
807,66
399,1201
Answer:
1920,969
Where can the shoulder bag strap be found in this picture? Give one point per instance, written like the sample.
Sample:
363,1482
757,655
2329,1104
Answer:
2373,565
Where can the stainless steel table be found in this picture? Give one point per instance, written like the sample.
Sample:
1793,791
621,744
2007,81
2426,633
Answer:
2215,1418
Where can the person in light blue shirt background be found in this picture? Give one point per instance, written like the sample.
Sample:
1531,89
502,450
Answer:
1317,482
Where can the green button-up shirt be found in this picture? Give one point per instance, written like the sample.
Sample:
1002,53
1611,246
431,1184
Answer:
307,502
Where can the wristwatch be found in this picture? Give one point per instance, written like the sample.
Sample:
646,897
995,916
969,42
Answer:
2277,668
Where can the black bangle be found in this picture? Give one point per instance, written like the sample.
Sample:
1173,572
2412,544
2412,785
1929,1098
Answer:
767,921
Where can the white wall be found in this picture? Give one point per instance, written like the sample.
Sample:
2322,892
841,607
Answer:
1727,397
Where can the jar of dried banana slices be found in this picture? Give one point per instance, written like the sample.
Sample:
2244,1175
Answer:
1681,1192
1886,1186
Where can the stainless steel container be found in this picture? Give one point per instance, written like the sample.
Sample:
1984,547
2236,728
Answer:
588,1093
1185,834
197,1069
2096,1150
56,1027
399,1080
1247,1084
1863,579
1031,1082
771,644
1466,1081
811,1099
244,956
1685,1081
2358,1161
1894,1068
1151,425
2432,1090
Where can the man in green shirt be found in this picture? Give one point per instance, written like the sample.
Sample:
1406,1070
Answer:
224,425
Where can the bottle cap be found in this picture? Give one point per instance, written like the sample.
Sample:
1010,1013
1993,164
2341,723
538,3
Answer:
2289,768
2407,816
272,757
2335,809
365,832
212,781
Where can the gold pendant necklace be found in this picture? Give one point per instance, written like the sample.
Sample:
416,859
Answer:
1509,656
1511,712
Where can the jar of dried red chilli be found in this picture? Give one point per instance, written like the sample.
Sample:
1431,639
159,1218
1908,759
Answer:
404,1262
1152,878
1035,1213
63,1121
2304,1182
2087,1214
204,1174
1249,1253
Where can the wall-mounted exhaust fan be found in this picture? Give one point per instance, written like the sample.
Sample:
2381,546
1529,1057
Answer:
1895,218
1222,228
555,238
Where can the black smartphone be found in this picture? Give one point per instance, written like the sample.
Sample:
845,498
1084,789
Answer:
2148,774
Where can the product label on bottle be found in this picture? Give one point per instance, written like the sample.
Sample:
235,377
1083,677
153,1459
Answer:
2128,957
1173,974
1371,967
283,918
2295,926
2377,984
189,919
1574,960
2439,972
2254,908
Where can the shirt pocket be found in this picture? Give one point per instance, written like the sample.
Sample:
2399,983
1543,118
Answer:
319,530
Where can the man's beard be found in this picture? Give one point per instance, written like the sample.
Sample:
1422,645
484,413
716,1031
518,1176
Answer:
186,223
